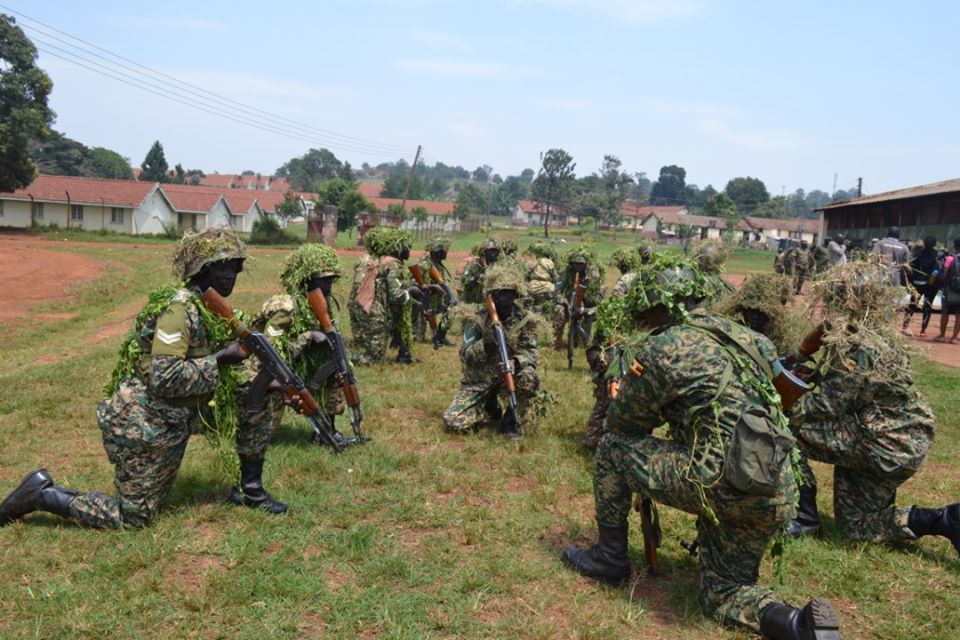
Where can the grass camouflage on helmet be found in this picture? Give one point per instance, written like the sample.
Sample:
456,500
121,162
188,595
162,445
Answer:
541,249
196,249
306,261
504,275
387,241
626,259
509,246
711,255
439,243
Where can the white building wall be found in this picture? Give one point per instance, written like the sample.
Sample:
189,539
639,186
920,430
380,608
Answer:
16,213
219,215
152,214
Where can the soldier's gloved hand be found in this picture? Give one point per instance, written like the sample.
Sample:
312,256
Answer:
318,337
489,343
233,353
415,292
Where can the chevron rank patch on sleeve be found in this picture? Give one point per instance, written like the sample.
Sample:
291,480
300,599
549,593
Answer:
171,337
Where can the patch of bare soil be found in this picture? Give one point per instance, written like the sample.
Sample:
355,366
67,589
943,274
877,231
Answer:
190,572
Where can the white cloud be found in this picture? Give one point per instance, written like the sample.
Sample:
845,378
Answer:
465,68
181,24
644,11
753,140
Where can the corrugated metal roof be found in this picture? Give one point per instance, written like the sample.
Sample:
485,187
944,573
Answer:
932,189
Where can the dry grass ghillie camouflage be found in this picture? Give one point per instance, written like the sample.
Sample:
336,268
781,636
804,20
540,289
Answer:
505,275
304,262
197,249
438,243
387,241
541,249
711,255
509,246
769,294
858,303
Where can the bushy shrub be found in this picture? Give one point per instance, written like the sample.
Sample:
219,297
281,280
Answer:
268,231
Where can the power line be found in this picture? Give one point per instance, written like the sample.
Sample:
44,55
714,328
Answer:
242,114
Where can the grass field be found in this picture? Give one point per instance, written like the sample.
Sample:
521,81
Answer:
416,535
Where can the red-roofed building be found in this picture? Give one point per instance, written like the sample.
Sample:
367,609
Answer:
770,230
527,213
642,218
370,189
238,181
439,214
125,206
199,207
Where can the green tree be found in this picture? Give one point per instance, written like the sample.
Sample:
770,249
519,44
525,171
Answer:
154,167
419,215
482,173
104,163
289,207
58,155
470,201
527,176
670,187
313,166
344,195
515,188
720,205
749,193
553,186
24,113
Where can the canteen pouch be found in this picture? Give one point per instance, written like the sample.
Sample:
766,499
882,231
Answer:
757,453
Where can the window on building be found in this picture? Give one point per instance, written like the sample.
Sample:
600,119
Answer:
180,220
1,208
116,215
76,212
37,210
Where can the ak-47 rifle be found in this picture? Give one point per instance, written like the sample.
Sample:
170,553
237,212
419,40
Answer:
789,385
340,364
417,272
649,517
275,368
438,280
506,364
576,312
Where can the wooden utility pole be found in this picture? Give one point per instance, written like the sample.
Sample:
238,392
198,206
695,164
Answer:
859,187
413,167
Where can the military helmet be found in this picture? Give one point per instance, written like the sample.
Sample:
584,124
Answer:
504,275
386,241
308,261
438,243
488,244
197,249
710,255
860,291
541,249
582,253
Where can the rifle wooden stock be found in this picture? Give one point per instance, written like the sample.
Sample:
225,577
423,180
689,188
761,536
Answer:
811,342
438,279
790,386
320,309
417,272
218,304
651,534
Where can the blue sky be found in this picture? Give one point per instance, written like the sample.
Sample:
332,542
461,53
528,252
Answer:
792,93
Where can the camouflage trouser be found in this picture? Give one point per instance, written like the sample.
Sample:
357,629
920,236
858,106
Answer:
475,404
863,496
371,336
800,276
730,550
145,439
594,429
561,317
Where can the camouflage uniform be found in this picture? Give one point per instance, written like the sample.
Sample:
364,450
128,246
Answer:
876,433
436,304
711,256
476,401
801,261
680,373
542,277
146,423
592,297
378,297
471,283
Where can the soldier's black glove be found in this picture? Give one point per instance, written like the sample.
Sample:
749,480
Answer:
318,337
489,343
233,353
416,293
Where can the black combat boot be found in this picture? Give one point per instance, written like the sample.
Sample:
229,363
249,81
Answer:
36,493
403,355
338,437
26,498
252,494
605,561
509,427
807,521
440,339
943,522
816,621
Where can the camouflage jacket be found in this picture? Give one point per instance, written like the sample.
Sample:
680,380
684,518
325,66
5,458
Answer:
594,293
481,367
674,378
471,284
542,279
177,362
390,292
426,264
891,420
